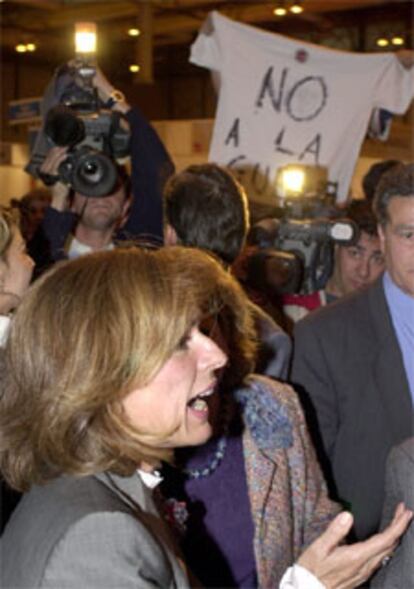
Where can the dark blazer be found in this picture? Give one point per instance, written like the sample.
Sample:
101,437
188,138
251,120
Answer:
399,486
90,532
348,362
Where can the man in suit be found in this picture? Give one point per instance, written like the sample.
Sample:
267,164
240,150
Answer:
399,486
353,362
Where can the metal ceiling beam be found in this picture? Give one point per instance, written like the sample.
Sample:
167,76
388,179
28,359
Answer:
42,4
169,27
110,11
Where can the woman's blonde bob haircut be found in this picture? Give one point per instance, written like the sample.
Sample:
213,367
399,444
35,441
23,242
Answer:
89,332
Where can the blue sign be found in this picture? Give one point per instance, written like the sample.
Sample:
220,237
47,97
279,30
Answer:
24,111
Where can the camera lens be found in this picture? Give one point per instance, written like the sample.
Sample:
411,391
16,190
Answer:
94,174
91,171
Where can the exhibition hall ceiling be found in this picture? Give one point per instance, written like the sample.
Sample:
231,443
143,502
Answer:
173,24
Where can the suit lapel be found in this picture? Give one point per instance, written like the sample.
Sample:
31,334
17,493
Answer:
389,371
271,513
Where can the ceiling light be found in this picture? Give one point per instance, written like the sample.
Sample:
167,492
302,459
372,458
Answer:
21,48
31,47
280,11
296,8
382,42
134,32
134,68
397,40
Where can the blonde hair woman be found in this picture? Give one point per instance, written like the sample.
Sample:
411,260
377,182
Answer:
118,368
16,269
112,374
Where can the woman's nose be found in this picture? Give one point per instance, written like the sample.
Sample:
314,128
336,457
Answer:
212,356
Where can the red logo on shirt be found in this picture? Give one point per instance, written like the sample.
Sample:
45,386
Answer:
301,55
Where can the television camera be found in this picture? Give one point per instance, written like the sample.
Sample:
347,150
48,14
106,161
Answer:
76,118
299,242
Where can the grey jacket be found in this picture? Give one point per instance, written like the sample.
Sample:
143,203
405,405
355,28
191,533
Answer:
98,531
348,361
275,346
399,572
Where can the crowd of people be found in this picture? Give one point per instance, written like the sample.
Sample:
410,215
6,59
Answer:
161,425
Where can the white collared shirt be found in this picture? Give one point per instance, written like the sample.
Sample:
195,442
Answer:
297,577
77,248
150,479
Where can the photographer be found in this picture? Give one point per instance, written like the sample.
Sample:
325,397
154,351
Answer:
76,224
355,266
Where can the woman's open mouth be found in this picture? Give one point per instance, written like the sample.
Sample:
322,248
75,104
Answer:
198,404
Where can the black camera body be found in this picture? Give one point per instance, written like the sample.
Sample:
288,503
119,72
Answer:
303,238
311,242
94,135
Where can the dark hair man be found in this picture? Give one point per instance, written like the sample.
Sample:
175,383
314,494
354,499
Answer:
357,265
206,207
77,224
354,359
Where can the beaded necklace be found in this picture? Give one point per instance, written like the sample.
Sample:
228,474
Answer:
210,467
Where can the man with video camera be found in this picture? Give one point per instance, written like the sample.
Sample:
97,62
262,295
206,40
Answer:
82,221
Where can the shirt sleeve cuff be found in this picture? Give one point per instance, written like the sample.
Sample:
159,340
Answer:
297,577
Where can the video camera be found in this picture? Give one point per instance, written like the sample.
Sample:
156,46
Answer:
299,242
76,118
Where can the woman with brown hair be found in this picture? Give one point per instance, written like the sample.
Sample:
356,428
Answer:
16,268
107,370
121,366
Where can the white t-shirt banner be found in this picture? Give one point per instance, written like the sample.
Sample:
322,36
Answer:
284,101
